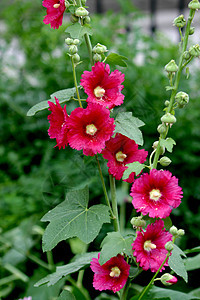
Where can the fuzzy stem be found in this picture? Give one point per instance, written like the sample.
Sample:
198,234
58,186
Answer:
114,203
75,82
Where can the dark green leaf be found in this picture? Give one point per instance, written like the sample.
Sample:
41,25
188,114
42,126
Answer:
192,263
135,167
62,95
165,293
73,218
113,244
79,262
176,263
167,223
66,295
169,88
196,249
128,125
168,144
77,31
116,60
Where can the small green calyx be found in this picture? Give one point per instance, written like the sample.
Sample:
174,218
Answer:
87,20
169,246
81,12
180,21
69,41
168,119
182,99
192,29
97,57
138,222
195,50
165,161
171,66
186,55
99,49
173,230
73,49
181,232
194,4
165,279
76,58
162,128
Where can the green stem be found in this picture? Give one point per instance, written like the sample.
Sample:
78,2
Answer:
8,279
125,290
75,82
114,203
152,280
50,260
104,188
89,47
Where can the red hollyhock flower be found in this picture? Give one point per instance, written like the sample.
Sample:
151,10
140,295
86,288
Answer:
149,246
90,128
102,87
110,276
120,151
58,123
156,193
55,11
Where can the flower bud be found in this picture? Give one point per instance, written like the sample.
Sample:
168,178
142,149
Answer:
194,4
69,41
182,99
192,29
73,19
195,50
67,4
168,279
76,58
167,103
186,55
81,12
97,57
76,42
87,20
162,148
173,230
100,49
168,118
161,128
73,49
180,21
83,2
165,161
169,246
171,66
138,222
180,232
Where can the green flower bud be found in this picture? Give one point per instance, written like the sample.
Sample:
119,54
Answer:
73,19
83,2
168,118
97,57
173,230
180,21
165,161
168,279
76,58
138,222
171,66
186,55
155,145
100,49
181,232
161,128
73,49
192,29
194,4
87,20
195,50
76,42
182,99
167,103
69,41
67,4
81,12
169,246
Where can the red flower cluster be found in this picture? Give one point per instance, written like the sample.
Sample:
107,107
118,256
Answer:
55,11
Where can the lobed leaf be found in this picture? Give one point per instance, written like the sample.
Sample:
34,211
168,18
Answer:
176,263
166,293
135,167
192,263
116,60
73,218
66,295
168,144
77,31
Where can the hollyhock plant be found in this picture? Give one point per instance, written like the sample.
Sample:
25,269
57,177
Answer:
103,87
58,123
110,276
156,193
55,11
149,246
90,128
119,151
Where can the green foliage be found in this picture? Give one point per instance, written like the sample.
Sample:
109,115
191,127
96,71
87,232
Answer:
168,144
161,293
115,59
66,295
192,263
176,263
77,31
135,167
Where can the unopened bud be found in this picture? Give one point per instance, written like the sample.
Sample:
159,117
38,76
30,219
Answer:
195,50
162,148
167,103
81,12
171,66
168,118
181,232
194,4
180,21
162,128
186,55
76,58
74,19
169,246
168,279
87,20
69,41
100,49
173,230
165,161
97,57
73,49
138,222
83,2
192,29
67,4
182,99
76,42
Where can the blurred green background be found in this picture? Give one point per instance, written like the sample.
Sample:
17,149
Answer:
35,176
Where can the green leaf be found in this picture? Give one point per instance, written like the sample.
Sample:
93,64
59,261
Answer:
77,31
167,223
116,60
192,263
176,263
128,125
62,95
113,244
135,167
79,262
169,88
73,218
66,295
166,293
196,249
168,144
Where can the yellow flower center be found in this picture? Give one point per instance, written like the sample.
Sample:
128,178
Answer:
155,194
99,92
56,5
91,129
115,272
120,156
148,245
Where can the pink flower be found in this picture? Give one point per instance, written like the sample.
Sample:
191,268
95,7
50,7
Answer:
168,279
55,11
90,128
156,193
110,276
26,298
149,246
120,151
102,87
58,123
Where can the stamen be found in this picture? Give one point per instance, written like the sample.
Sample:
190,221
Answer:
115,272
99,92
91,129
148,245
120,156
155,194
56,5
